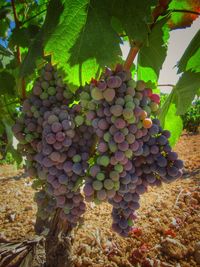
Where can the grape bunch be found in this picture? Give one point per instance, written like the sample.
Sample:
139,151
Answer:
56,145
106,138
119,110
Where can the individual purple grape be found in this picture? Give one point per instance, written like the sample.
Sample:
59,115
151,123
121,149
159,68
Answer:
56,127
162,140
178,164
50,138
162,161
172,156
154,149
88,190
60,136
114,82
119,137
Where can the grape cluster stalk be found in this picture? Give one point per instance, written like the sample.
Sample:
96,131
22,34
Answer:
105,137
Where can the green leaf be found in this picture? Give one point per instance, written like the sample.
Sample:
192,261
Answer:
7,82
134,16
191,55
169,120
97,38
194,62
186,89
152,55
182,19
74,19
52,20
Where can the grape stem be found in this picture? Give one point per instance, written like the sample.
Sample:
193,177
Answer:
17,23
131,56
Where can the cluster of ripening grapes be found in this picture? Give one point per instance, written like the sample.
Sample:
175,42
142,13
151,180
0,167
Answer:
105,138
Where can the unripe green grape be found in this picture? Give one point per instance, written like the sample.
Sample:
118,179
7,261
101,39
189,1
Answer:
139,125
119,168
130,105
108,184
36,114
97,185
113,119
140,86
107,137
100,176
104,161
67,94
125,131
44,85
97,201
91,106
114,175
112,146
129,153
128,98
79,120
116,185
147,109
131,120
84,96
154,106
51,90
44,96
96,94
84,103
127,113
131,83
76,158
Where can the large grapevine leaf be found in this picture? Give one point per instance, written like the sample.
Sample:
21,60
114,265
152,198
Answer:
181,18
54,11
74,20
152,55
170,120
185,90
191,56
97,38
134,16
194,62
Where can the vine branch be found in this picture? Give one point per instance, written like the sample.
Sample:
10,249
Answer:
17,23
171,85
186,11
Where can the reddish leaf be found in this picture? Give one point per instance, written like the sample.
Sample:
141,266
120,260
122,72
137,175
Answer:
183,18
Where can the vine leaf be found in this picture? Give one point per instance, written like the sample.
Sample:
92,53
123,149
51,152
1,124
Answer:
191,56
54,11
187,87
170,120
134,16
183,19
7,82
97,38
152,55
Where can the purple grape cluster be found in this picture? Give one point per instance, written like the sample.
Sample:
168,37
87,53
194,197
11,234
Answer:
56,145
119,109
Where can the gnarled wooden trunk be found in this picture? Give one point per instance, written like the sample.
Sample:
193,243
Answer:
58,244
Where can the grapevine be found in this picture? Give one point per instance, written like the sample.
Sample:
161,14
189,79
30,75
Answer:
103,143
